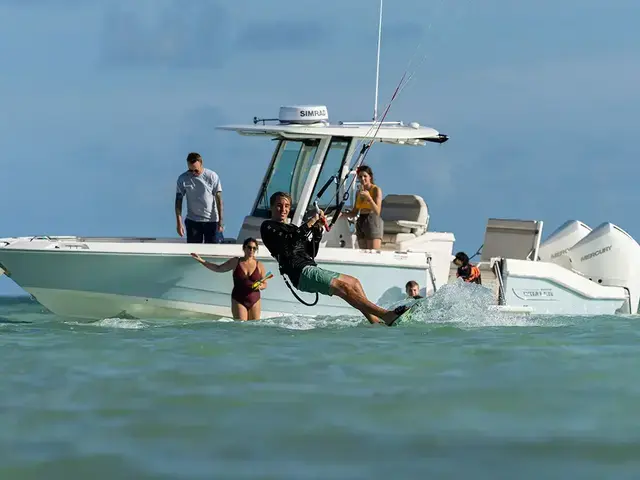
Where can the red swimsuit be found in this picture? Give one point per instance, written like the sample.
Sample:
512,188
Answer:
242,291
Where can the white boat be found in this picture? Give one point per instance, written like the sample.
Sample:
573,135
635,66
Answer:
96,278
574,271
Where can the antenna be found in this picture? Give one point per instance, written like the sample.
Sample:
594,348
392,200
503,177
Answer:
375,105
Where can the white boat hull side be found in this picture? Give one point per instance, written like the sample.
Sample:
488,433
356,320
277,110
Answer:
551,289
95,285
92,306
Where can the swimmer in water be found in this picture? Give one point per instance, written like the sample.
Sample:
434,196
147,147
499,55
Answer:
247,271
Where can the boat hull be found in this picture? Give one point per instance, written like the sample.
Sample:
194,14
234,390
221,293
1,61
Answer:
165,282
549,289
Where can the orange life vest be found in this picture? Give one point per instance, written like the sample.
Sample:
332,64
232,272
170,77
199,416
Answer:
470,274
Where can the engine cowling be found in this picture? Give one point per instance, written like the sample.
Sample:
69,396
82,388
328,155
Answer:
609,256
557,245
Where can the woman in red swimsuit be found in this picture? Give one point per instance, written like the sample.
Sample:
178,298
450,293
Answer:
245,300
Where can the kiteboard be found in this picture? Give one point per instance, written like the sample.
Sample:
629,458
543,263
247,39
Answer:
410,313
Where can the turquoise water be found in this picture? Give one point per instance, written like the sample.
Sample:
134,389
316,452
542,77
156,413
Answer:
462,393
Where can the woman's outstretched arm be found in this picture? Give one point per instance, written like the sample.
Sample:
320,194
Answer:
225,267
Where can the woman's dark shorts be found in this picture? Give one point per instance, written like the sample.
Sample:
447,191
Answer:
369,226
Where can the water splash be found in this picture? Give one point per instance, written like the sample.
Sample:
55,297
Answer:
468,305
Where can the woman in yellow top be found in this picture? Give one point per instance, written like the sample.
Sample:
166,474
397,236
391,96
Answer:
369,225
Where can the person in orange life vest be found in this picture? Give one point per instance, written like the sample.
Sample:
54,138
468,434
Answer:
467,271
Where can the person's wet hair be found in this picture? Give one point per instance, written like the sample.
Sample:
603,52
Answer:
274,198
463,258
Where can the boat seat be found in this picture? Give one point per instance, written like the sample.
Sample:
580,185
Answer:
405,217
510,238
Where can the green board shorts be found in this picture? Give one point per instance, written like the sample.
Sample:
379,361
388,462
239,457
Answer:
315,279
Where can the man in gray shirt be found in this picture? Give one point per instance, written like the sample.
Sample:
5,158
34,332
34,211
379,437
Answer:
203,191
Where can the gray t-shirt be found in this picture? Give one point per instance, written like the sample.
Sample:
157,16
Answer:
200,192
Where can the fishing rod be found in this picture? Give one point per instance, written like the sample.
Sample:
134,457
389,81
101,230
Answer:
359,161
376,125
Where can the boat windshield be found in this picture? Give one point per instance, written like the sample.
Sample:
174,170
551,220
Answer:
331,166
289,173
291,167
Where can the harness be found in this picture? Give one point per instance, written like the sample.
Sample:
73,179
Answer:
284,277
286,281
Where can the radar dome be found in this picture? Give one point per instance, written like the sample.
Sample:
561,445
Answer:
303,114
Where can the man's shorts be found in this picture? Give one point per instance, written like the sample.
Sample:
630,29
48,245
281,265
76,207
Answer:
203,232
315,279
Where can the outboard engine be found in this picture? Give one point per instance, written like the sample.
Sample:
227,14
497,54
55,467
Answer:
609,256
556,246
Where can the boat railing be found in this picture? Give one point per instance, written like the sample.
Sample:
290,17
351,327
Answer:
498,272
432,275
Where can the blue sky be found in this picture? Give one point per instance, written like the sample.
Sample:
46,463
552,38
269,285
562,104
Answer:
102,100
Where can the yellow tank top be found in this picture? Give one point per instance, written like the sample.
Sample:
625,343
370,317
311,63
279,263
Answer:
361,203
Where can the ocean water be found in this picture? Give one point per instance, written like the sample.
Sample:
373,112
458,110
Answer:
460,393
